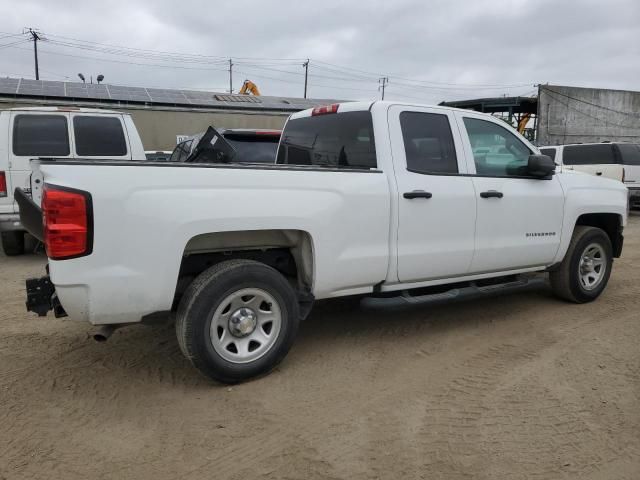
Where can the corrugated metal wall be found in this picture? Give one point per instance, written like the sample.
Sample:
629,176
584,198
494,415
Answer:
583,115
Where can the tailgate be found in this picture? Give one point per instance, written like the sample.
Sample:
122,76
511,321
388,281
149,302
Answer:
30,213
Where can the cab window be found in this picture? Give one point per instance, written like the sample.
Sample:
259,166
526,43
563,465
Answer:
496,151
341,140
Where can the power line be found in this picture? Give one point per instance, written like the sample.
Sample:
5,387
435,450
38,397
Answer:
190,61
603,119
622,112
50,52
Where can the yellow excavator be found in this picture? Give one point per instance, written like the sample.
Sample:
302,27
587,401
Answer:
249,88
522,124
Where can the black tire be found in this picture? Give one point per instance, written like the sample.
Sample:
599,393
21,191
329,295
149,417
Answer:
565,281
204,297
13,243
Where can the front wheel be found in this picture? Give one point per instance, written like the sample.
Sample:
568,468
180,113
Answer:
585,270
237,320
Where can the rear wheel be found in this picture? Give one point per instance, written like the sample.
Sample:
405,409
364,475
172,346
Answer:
13,243
585,270
237,320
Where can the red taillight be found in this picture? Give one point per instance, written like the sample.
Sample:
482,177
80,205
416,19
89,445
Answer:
3,184
325,109
67,219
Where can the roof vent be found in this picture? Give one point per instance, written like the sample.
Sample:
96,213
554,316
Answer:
237,98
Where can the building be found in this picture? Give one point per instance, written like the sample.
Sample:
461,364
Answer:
159,114
560,115
583,115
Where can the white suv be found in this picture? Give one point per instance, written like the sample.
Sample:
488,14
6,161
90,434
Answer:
620,161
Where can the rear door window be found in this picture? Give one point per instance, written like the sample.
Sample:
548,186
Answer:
428,143
340,140
98,136
40,136
601,154
630,153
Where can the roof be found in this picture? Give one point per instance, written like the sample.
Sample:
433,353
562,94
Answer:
119,95
497,104
63,109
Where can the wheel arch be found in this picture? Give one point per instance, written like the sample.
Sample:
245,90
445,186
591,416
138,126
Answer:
289,251
611,223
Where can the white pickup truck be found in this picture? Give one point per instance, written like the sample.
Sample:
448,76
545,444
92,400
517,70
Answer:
62,132
391,201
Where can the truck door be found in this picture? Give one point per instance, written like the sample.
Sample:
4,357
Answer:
35,134
436,203
519,217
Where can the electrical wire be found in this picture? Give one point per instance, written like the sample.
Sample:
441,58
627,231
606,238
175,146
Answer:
622,112
601,119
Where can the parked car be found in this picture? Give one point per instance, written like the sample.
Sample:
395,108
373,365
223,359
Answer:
620,161
247,145
157,155
396,202
62,132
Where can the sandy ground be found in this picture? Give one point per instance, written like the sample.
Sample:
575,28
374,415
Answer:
519,386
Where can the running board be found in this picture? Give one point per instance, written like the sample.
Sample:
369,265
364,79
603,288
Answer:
472,291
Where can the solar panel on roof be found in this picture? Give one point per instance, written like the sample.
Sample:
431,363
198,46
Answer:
9,85
119,93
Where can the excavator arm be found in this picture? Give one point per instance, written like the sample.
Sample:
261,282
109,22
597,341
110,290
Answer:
522,124
249,88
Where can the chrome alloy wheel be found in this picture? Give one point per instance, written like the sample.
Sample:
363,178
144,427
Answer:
245,325
593,266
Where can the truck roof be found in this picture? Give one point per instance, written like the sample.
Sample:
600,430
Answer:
360,106
64,109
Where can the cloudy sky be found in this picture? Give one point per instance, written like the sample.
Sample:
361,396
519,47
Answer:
430,50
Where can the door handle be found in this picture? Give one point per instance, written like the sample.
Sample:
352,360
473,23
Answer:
598,173
491,194
417,194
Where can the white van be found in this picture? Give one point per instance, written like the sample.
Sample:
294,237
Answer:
61,132
620,161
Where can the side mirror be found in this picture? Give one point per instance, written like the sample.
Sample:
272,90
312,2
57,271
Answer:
540,166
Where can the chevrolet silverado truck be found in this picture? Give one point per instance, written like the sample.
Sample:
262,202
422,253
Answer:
388,201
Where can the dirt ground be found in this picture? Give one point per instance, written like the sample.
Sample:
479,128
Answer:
520,386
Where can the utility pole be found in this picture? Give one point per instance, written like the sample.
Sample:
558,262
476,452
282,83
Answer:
383,81
230,76
306,73
35,36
